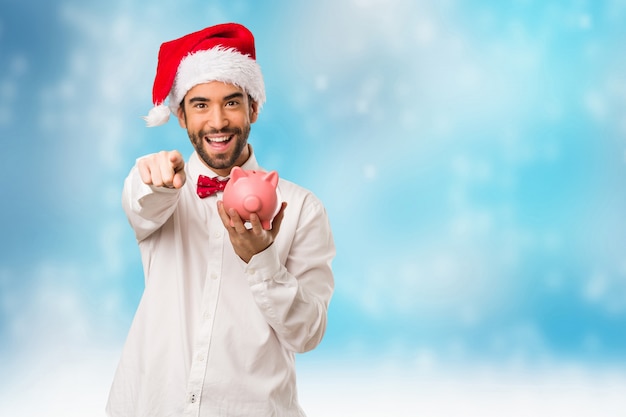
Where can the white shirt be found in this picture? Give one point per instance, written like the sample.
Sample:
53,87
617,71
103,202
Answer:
212,335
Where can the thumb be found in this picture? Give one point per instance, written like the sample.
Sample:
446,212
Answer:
278,219
179,179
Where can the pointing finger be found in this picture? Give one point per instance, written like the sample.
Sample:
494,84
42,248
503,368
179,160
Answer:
177,161
166,171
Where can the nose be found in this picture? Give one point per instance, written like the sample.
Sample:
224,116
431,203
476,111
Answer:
216,118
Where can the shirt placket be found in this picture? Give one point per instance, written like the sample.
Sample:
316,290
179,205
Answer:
210,296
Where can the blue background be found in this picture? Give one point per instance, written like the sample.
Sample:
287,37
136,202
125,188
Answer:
471,156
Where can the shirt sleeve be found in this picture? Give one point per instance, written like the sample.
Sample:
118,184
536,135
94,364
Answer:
147,207
294,296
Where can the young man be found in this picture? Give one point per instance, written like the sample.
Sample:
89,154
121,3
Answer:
225,307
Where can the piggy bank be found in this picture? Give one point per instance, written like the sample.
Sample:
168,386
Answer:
250,191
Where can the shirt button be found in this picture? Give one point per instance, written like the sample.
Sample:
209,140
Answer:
251,271
217,235
213,276
200,357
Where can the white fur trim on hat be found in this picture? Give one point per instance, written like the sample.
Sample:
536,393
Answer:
157,115
217,64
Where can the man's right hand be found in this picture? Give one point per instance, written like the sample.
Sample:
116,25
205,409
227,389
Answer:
163,169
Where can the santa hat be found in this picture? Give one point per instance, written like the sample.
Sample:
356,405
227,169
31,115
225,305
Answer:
218,53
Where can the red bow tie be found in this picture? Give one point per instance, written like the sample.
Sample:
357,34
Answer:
208,186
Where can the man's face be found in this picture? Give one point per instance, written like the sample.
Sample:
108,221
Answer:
217,117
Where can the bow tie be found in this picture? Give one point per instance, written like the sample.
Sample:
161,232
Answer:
208,186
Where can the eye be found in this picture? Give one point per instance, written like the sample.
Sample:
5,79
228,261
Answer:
199,105
232,103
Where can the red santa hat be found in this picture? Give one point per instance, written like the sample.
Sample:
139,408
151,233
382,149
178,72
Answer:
218,53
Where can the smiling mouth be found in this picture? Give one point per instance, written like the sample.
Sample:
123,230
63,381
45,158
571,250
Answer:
218,140
219,144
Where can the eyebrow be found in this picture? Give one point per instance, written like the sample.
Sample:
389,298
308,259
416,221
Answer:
226,98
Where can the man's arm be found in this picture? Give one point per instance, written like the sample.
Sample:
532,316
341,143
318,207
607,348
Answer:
293,293
151,191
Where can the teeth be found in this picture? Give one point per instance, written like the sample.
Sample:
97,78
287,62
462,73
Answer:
220,139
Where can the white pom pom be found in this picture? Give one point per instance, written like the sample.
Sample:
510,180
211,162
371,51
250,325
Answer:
157,115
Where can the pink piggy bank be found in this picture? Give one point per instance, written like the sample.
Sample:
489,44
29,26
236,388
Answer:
250,191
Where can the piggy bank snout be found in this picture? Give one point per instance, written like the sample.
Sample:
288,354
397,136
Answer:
252,192
252,204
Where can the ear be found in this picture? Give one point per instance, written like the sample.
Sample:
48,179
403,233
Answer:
236,173
272,178
254,110
182,117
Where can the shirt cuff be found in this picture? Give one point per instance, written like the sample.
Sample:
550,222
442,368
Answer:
263,266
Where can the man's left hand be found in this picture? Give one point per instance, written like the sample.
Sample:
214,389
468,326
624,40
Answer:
249,242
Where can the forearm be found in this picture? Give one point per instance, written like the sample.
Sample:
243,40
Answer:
147,207
295,306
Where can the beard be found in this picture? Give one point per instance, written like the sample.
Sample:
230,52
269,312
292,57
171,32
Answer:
221,160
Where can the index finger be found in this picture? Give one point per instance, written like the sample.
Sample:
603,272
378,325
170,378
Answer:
223,215
177,161
230,219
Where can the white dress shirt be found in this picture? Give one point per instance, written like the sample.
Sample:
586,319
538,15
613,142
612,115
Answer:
212,335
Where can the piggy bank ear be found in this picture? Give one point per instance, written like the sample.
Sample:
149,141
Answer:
272,178
237,173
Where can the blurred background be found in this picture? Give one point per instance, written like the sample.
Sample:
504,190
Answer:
471,155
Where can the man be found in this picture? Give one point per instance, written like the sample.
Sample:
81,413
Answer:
225,308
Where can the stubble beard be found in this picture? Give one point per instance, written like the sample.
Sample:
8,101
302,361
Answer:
225,160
